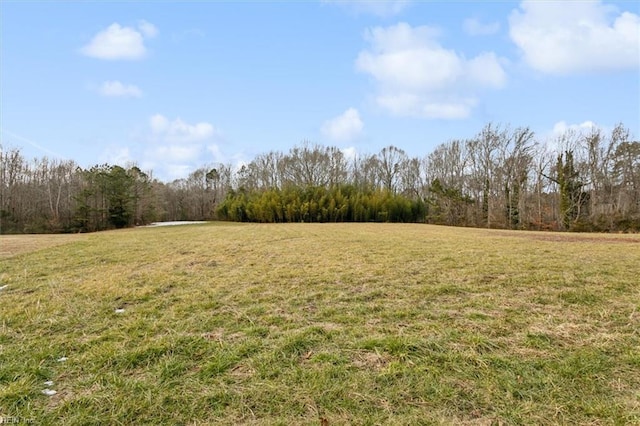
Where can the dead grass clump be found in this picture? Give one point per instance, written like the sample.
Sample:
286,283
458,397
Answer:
371,360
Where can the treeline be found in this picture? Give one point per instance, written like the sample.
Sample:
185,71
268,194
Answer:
501,178
57,196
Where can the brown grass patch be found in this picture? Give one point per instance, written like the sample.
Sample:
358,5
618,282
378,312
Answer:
13,245
371,360
570,237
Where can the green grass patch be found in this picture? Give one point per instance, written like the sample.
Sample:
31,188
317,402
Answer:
312,323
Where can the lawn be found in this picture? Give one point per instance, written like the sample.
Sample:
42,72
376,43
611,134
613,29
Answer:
320,324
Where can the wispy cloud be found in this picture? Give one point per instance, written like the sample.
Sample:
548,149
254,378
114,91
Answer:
382,8
345,127
30,142
116,89
474,27
117,155
147,29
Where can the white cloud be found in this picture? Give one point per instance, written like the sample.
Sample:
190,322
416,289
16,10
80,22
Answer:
486,70
179,131
116,155
474,27
147,29
344,127
565,136
177,153
350,153
382,8
118,42
176,147
561,127
172,172
409,105
118,90
158,123
575,36
417,76
216,153
406,57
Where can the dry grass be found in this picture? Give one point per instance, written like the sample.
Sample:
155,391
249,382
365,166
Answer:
12,245
324,323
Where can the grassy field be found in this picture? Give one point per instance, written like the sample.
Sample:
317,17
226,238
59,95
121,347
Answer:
321,324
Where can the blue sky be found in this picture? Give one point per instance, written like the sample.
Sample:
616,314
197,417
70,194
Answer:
173,86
